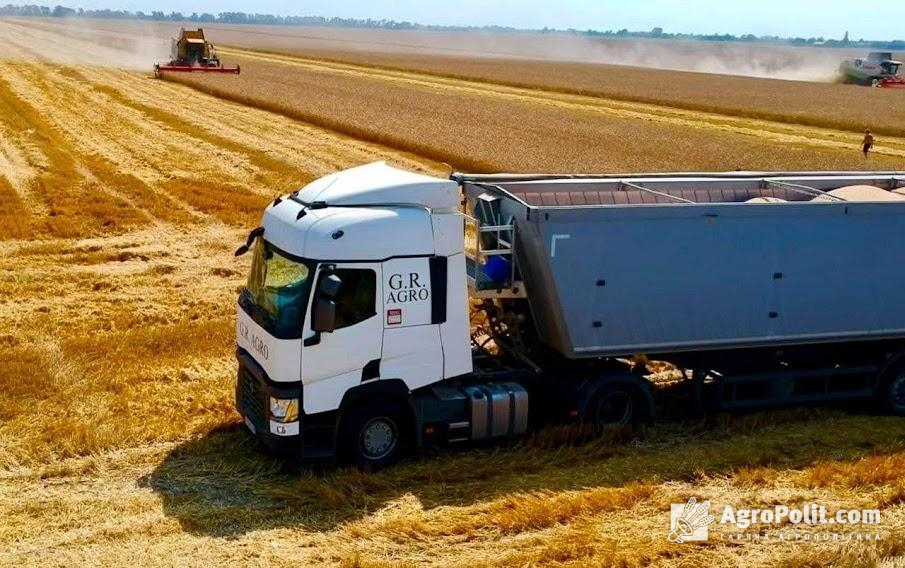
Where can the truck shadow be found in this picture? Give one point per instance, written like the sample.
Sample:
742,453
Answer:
223,485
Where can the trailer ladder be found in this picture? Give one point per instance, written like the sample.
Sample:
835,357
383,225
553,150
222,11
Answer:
490,252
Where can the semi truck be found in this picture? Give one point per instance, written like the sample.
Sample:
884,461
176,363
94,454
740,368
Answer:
387,311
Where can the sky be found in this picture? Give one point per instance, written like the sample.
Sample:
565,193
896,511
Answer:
804,18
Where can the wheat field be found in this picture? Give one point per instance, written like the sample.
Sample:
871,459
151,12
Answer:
815,103
120,206
526,60
491,127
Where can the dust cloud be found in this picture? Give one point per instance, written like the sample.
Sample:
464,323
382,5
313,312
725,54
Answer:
765,60
751,60
83,42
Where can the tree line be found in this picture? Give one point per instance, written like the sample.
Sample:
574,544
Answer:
320,21
223,18
658,33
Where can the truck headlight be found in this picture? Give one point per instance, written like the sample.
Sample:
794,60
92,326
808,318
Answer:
284,409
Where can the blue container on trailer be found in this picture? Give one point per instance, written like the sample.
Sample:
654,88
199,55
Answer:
498,269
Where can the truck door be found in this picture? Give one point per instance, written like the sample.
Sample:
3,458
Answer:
414,304
334,362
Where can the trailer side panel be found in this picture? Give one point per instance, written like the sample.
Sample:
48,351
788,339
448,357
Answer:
675,277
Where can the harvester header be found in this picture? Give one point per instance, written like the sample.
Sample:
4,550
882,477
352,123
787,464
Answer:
191,53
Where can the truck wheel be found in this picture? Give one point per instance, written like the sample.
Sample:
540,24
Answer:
374,435
895,393
614,405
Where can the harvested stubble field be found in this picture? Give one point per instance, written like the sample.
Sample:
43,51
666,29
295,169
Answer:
121,206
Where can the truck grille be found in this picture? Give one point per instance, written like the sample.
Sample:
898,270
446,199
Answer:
251,398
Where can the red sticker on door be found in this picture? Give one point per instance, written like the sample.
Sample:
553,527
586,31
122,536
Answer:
394,317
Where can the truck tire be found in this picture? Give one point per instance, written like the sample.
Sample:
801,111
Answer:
374,435
613,405
893,392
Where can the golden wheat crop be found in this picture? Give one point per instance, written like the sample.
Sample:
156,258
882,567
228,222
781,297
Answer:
482,126
617,118
483,57
120,205
829,105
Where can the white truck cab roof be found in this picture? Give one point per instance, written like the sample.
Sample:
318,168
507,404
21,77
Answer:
380,184
371,212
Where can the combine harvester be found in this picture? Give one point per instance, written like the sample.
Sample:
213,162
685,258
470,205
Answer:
878,70
355,334
192,53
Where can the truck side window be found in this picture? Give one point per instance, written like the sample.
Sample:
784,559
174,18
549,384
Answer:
357,296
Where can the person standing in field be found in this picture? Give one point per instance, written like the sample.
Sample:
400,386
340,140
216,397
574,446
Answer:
867,143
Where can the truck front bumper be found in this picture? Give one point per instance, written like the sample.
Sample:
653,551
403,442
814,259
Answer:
311,437
253,393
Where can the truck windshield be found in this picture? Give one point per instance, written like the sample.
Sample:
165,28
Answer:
277,289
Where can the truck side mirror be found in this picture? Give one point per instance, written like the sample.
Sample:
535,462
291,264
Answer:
329,286
323,316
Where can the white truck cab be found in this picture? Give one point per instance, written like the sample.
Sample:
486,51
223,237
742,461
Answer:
357,278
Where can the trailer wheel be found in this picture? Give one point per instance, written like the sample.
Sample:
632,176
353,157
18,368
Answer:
374,435
895,393
614,405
